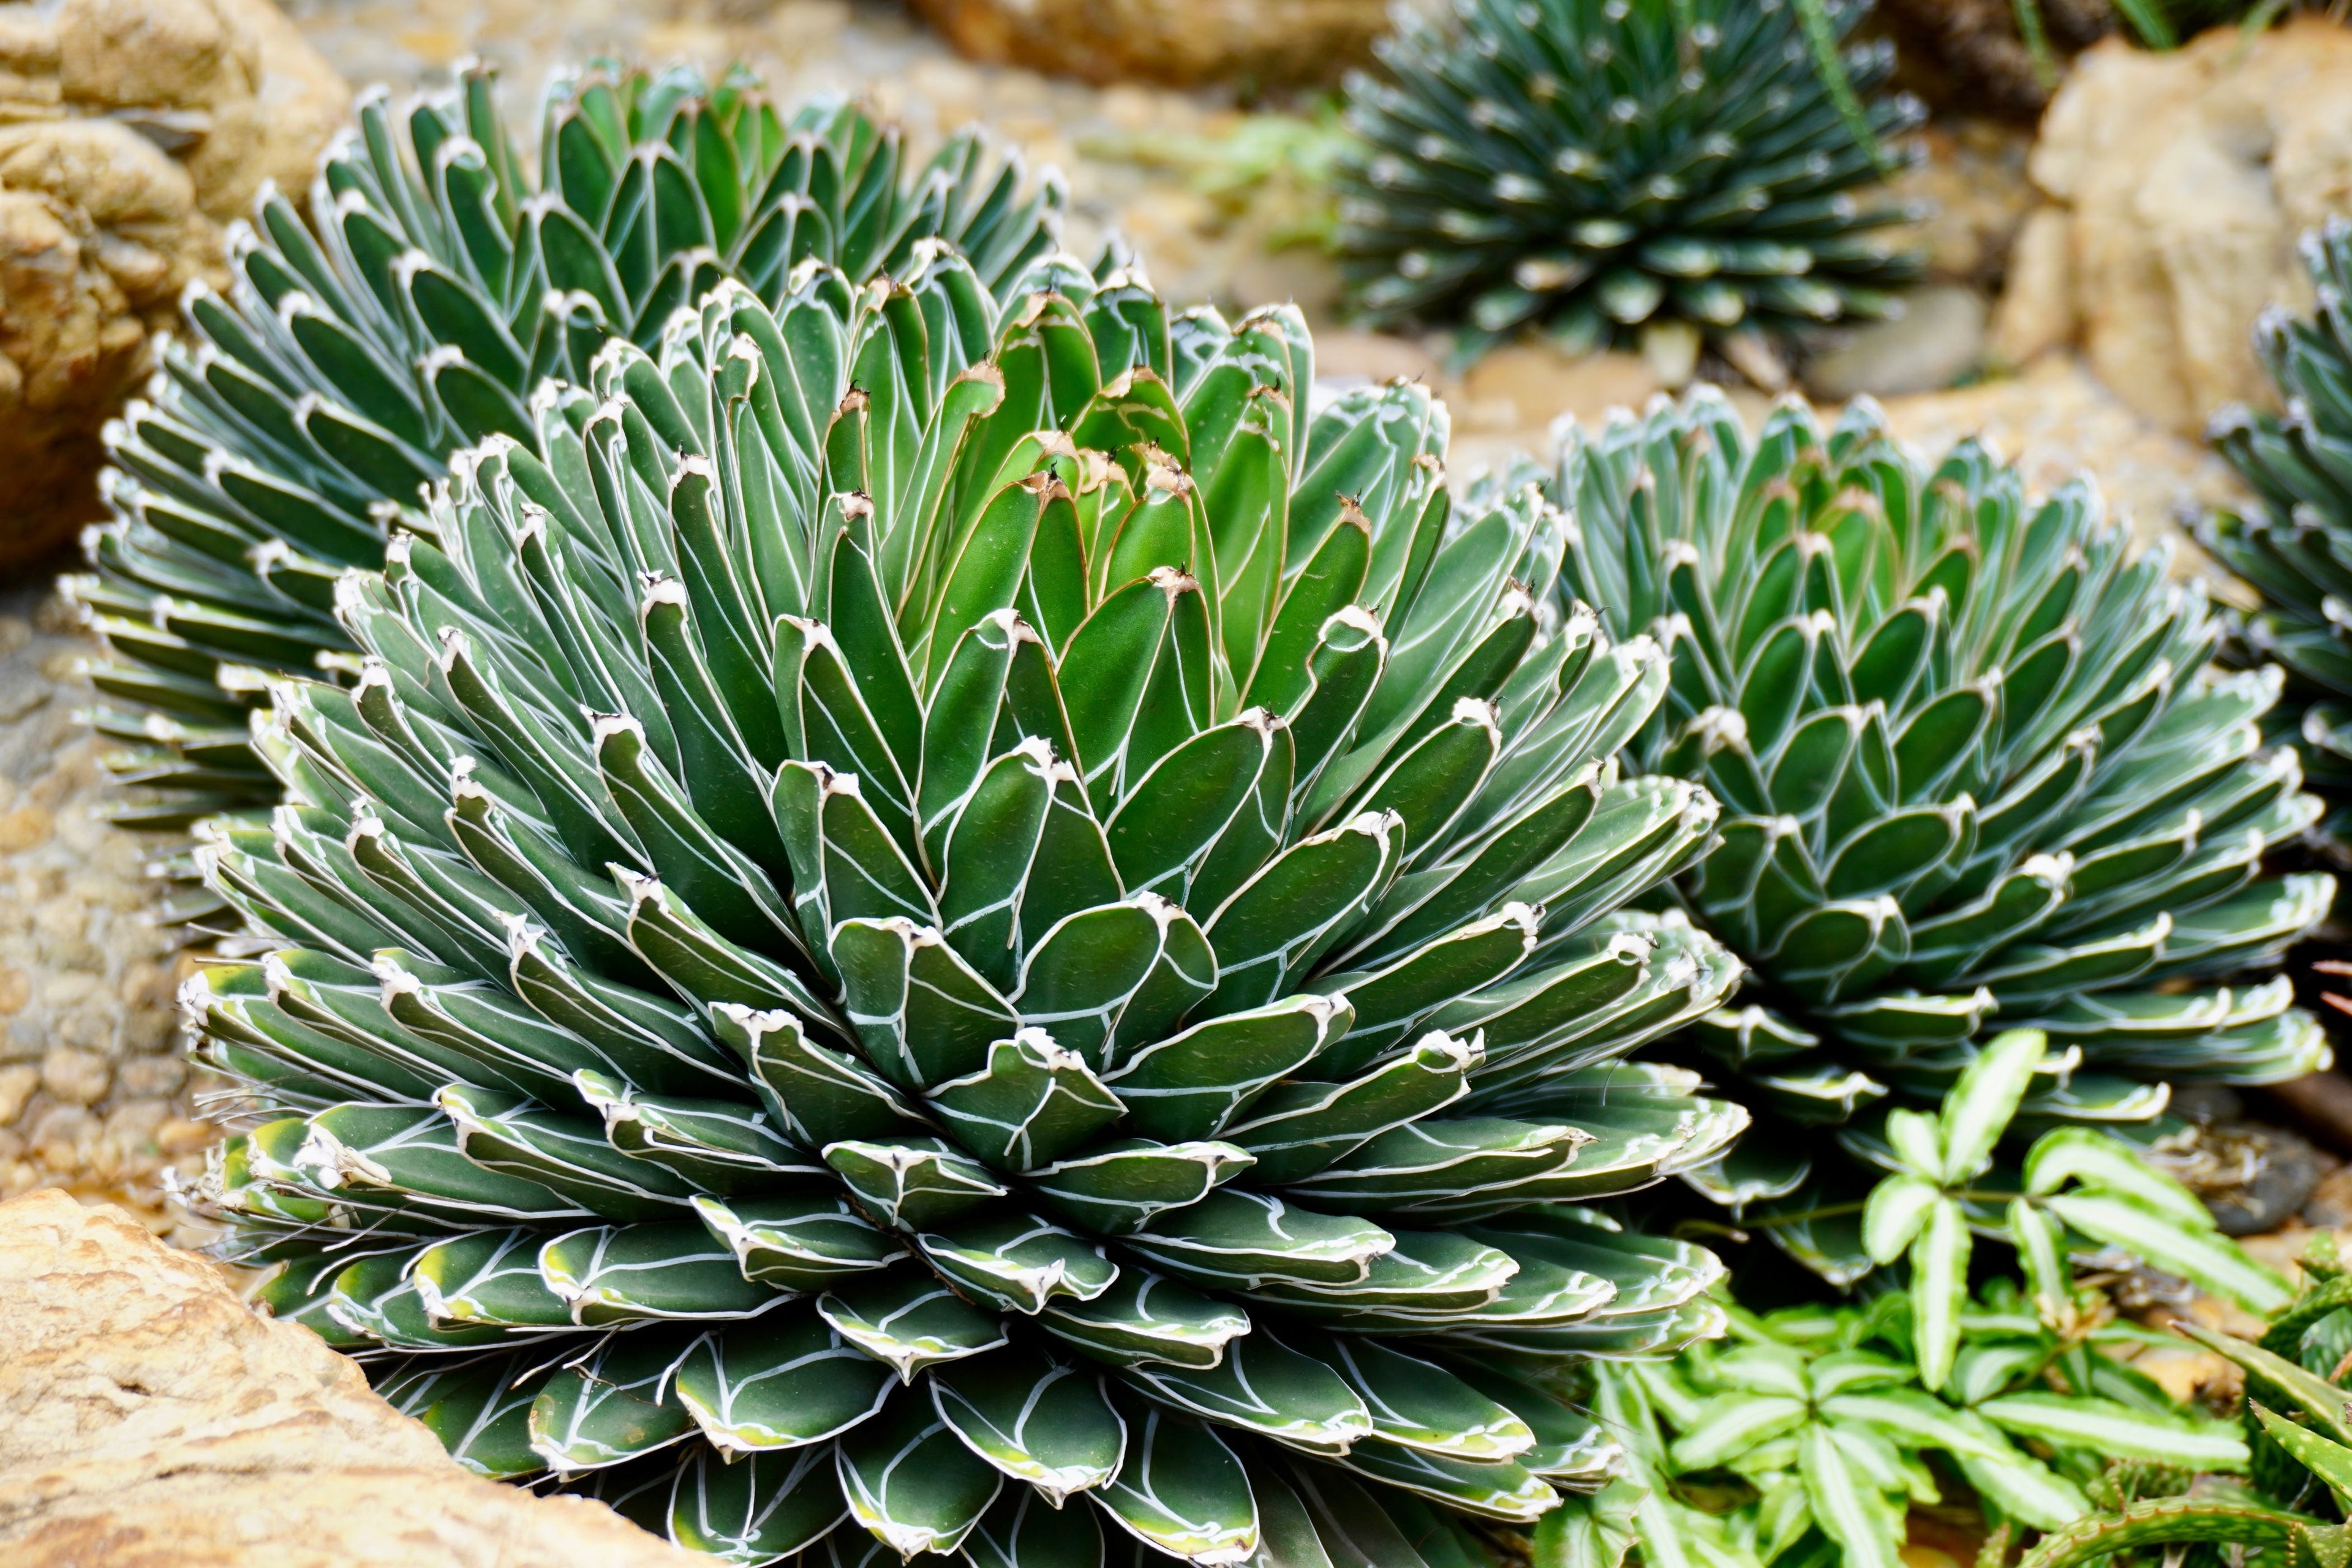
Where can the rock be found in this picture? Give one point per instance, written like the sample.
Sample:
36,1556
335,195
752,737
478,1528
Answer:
93,1094
2181,181
2037,307
2056,421
148,1419
1541,383
2254,1178
1179,42
1939,339
131,131
1350,353
1972,180
2329,1206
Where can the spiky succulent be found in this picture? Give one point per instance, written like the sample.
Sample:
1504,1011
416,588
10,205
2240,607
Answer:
2296,548
1592,165
435,286
2297,1427
1973,767
959,908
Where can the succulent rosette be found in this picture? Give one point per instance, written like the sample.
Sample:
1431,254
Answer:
933,929
1592,167
432,286
2294,546
1976,774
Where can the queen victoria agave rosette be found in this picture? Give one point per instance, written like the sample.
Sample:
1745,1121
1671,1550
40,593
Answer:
1976,774
935,929
434,284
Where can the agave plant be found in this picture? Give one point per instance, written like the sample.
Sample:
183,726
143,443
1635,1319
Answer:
2295,548
1595,165
2298,1436
1973,766
1802,1438
433,287
912,911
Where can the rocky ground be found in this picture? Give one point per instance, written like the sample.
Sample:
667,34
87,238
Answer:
94,1096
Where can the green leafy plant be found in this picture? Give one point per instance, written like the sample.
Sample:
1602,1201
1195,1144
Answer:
2072,1180
2298,1436
1973,765
1804,1437
1273,170
292,430
963,907
1596,165
2293,547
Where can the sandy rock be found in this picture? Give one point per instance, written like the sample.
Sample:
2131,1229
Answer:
1183,42
1540,384
1972,182
2329,1207
1939,338
2181,181
1352,354
131,131
149,1420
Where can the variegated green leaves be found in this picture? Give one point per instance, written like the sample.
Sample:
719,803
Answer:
966,910
1973,767
2294,1425
433,286
1808,1435
2077,1181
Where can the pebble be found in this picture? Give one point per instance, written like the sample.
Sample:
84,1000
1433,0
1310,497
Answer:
1937,339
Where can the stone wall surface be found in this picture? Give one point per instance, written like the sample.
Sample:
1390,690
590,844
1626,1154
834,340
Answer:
131,132
148,1419
94,1095
2176,186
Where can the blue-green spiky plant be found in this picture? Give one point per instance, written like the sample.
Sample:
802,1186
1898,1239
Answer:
2295,547
1589,166
433,286
927,928
1976,774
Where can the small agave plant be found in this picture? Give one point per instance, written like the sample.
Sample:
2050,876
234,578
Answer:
433,286
928,928
1594,167
2295,547
1974,767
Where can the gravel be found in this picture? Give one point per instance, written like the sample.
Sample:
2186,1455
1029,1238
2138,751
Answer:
94,1094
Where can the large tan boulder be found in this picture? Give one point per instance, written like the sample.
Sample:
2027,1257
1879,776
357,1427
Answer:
131,132
2176,186
148,1419
1183,42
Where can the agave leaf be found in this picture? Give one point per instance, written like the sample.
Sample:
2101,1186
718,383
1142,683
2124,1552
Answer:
1181,1490
786,1381
910,1480
1040,1421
